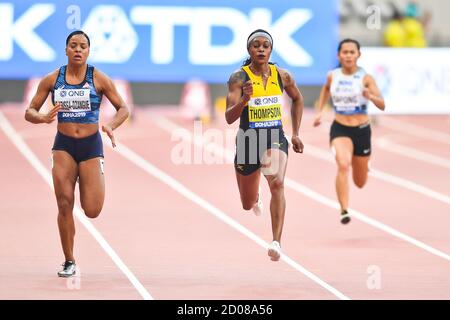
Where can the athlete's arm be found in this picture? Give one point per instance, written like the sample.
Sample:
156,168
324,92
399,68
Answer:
324,97
290,86
45,86
239,93
372,93
106,86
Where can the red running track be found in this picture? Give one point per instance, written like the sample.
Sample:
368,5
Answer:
166,234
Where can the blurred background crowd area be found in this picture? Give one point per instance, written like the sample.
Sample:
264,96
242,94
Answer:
404,23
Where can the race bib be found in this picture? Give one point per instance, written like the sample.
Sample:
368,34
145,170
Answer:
264,112
346,97
73,100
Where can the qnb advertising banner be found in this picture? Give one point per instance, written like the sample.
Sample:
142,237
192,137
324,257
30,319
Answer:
168,41
413,81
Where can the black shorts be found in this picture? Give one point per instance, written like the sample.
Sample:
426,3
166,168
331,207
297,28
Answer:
251,145
359,135
81,149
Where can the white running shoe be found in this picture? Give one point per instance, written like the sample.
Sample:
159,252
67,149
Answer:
274,251
69,269
258,207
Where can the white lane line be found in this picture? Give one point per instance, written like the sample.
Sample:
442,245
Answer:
187,193
384,176
362,217
412,153
169,126
415,130
43,172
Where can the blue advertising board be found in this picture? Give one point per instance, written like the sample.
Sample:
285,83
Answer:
168,41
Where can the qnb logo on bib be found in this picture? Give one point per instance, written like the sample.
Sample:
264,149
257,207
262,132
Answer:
264,112
73,100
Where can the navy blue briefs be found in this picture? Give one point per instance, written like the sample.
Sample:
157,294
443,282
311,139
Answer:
81,149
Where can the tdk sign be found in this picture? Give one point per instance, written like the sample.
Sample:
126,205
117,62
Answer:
114,39
167,40
202,20
22,32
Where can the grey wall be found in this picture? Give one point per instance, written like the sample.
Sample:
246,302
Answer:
11,90
147,93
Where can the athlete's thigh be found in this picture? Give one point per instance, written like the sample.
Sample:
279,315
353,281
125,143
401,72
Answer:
274,163
343,150
64,173
248,186
92,183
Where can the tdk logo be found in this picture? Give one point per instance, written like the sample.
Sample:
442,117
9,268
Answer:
112,36
22,32
114,39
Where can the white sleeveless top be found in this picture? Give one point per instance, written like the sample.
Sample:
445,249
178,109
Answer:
346,92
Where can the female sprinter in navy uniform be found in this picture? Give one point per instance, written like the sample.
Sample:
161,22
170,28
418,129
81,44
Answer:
254,97
77,90
351,88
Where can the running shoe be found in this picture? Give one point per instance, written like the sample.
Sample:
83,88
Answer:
274,251
345,217
69,269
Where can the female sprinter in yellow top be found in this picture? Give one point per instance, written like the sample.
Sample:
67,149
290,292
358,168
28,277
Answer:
254,97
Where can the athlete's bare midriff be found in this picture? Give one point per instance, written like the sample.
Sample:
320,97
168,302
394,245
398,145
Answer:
353,120
77,130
